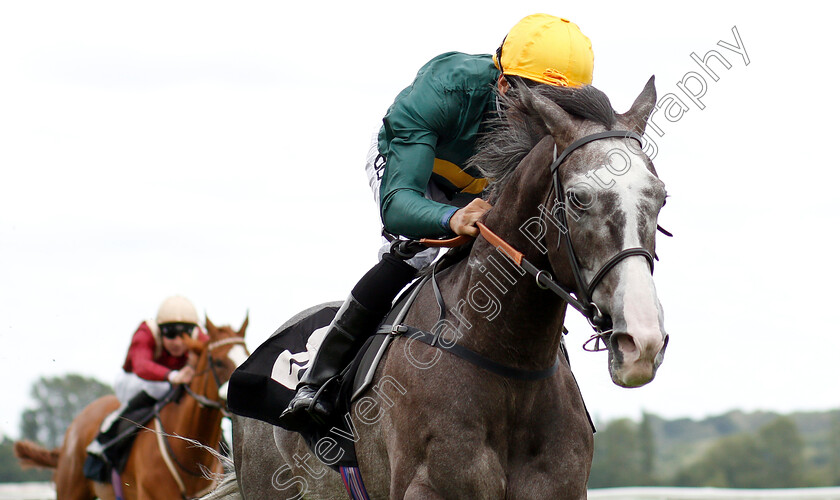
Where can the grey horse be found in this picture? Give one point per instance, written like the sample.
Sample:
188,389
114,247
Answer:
438,427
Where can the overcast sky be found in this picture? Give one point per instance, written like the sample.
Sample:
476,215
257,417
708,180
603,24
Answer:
216,150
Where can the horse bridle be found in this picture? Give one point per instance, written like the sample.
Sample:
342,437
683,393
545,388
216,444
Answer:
581,296
584,291
203,400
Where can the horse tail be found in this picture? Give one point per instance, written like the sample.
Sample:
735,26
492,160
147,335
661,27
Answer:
34,455
228,489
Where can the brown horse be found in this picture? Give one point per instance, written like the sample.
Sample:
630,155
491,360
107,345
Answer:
575,203
161,465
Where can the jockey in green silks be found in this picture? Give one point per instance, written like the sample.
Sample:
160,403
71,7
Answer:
415,169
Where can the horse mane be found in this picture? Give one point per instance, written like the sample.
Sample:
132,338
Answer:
517,128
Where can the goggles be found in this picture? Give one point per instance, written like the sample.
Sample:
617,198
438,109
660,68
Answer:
174,330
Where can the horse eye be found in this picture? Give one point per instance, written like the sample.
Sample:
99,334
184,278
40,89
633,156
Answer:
580,198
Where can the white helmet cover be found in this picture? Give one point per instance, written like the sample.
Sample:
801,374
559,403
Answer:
176,309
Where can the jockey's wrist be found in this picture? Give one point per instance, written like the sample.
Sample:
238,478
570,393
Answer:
447,217
171,376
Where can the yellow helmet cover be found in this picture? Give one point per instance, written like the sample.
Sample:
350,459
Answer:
547,49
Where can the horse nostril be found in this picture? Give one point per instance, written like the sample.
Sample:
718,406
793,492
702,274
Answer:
623,342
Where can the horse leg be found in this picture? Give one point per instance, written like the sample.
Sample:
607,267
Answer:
257,463
451,476
273,463
70,481
146,491
103,491
146,473
420,491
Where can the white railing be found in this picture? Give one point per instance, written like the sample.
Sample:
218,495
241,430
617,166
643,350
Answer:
714,493
46,491
27,491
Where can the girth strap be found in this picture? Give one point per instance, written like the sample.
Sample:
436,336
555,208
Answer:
472,357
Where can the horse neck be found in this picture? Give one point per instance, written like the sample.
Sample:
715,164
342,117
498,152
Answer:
502,313
190,420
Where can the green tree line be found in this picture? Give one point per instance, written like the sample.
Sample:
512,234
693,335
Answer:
55,402
736,450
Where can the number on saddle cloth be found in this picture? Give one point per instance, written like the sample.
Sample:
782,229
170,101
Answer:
263,385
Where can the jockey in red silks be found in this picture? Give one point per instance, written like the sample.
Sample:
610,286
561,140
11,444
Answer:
158,355
158,358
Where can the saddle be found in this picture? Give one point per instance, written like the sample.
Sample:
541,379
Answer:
114,443
264,384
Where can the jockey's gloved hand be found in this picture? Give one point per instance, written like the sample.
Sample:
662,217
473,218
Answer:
464,219
182,376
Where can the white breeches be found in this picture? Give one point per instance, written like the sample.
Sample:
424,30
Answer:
129,385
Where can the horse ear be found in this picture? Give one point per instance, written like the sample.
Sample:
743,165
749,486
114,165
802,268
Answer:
210,325
244,324
194,345
638,114
559,122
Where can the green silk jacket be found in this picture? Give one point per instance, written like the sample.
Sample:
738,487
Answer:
427,135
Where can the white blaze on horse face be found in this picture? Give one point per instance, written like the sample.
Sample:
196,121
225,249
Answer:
641,340
237,354
634,307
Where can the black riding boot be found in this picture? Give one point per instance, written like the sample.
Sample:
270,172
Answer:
138,410
110,447
357,319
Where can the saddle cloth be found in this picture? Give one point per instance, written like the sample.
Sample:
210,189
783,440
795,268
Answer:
263,385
